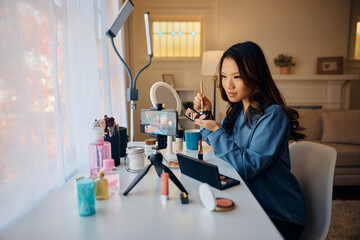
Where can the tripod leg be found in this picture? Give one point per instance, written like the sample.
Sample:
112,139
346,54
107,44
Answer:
137,179
174,179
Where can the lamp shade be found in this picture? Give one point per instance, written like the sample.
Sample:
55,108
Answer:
210,62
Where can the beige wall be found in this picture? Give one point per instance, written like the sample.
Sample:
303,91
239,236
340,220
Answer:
304,29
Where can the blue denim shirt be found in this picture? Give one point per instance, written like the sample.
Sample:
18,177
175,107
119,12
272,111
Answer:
260,154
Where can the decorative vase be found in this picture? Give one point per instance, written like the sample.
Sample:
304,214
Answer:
285,70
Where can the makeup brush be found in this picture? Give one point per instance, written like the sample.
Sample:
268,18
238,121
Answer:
202,94
110,122
102,124
96,124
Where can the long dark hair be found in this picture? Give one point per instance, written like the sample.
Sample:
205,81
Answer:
255,74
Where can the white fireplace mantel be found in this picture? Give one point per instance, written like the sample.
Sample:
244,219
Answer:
315,77
326,91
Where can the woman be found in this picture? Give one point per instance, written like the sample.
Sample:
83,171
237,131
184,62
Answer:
254,135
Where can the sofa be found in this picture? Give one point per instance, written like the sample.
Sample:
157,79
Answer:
340,130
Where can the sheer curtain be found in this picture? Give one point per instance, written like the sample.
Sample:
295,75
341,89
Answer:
117,70
54,81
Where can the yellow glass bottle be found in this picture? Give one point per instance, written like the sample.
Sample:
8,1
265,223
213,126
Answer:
101,187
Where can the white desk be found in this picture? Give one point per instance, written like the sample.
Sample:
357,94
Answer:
141,214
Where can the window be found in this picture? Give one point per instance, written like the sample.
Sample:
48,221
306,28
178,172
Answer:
354,36
99,42
176,39
357,41
51,79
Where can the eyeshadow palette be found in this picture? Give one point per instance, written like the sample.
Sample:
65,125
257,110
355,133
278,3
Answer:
204,172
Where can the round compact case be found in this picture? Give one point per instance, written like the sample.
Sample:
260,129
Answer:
211,203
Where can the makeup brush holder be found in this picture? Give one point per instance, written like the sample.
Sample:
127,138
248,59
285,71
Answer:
118,145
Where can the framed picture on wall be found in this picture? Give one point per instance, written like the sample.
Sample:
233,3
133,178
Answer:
169,79
330,65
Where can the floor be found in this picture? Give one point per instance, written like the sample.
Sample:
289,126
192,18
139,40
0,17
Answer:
346,193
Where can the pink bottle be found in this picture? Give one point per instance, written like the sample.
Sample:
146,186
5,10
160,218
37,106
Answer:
111,174
98,151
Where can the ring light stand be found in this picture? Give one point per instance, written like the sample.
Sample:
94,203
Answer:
170,155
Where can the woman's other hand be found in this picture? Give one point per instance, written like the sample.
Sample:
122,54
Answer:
208,124
206,103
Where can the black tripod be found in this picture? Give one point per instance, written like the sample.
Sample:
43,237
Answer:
156,161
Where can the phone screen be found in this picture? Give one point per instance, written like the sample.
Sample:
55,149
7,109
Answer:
162,122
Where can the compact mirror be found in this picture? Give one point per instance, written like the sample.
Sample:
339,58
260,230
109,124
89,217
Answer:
193,114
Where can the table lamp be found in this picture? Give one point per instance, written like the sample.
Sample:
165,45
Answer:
209,67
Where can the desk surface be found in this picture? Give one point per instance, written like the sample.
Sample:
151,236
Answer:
142,214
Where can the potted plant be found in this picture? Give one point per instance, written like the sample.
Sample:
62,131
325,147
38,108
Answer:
284,62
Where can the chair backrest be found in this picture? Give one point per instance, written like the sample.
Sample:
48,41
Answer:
313,165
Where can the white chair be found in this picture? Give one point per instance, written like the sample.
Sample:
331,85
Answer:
313,165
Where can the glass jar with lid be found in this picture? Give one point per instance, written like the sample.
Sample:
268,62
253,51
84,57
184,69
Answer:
150,144
135,159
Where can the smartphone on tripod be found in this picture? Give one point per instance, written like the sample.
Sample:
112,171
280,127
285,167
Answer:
160,122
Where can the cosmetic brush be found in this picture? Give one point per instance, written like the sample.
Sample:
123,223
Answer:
117,129
110,124
109,131
102,124
202,94
96,124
